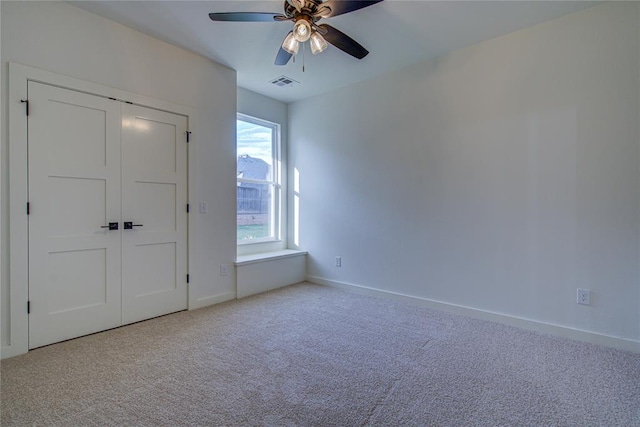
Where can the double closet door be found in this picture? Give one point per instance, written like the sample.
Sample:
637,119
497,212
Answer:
107,220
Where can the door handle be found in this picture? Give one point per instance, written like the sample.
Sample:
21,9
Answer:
111,226
128,225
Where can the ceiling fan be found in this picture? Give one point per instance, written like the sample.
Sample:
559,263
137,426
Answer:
305,15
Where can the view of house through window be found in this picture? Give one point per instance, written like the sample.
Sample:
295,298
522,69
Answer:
258,180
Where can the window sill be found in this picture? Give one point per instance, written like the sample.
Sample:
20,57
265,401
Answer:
268,256
257,242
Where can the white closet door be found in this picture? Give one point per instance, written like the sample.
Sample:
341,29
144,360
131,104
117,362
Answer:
74,190
154,199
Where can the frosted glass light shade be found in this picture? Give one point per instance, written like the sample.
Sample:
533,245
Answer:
290,44
318,43
302,30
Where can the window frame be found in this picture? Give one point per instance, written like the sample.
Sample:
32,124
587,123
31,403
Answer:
277,209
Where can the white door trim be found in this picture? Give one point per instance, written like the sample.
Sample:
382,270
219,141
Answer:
19,75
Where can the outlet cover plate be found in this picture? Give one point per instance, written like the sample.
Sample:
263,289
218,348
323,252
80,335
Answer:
583,296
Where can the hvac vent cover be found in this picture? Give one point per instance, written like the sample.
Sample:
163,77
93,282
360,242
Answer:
284,81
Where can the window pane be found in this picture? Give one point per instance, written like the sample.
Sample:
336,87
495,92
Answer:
254,211
255,151
256,200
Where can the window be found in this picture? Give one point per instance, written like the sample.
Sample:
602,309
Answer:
258,180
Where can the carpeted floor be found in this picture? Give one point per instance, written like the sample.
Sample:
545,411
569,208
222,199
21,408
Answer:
315,356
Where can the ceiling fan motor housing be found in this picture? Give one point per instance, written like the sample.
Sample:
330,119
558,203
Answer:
308,8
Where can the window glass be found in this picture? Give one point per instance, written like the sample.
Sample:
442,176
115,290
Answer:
258,187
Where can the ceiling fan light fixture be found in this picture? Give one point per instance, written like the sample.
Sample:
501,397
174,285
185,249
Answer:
290,44
318,43
302,30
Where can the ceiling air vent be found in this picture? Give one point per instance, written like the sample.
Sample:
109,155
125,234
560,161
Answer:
284,81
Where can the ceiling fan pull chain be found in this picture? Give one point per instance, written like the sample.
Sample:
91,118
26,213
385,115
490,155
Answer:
303,57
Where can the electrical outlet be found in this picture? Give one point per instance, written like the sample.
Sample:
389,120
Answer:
338,261
584,297
224,270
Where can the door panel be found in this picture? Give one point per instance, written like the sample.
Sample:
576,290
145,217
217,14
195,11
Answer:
156,204
71,215
158,147
87,124
156,268
74,189
63,295
154,196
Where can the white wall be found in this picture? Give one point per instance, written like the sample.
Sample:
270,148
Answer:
500,177
61,38
265,108
257,274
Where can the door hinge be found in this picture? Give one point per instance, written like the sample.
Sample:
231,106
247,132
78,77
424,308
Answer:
28,307
188,136
187,278
28,208
26,102
188,207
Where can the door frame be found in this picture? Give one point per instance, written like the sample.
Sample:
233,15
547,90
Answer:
19,76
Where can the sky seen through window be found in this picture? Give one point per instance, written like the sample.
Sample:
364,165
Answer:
254,140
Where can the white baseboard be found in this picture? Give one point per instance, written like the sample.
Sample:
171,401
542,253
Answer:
12,350
528,324
213,299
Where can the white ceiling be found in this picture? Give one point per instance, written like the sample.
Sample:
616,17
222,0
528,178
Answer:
397,33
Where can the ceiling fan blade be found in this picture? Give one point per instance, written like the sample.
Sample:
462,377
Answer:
342,41
297,4
247,17
283,57
338,7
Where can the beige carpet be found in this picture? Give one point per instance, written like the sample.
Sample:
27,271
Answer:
315,356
